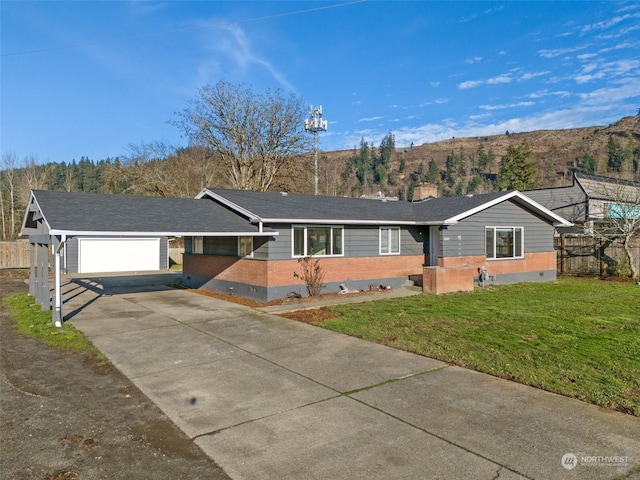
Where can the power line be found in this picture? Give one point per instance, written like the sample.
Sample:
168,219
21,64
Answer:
177,32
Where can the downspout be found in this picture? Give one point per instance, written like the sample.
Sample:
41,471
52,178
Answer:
57,304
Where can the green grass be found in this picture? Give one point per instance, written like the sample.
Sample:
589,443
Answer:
576,337
31,321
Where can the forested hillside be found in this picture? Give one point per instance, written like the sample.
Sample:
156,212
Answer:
458,166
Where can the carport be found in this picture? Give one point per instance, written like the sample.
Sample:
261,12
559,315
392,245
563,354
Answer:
75,232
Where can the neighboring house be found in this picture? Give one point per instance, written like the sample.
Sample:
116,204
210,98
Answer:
248,243
590,199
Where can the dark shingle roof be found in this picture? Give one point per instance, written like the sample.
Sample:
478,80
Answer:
92,212
278,206
442,209
67,212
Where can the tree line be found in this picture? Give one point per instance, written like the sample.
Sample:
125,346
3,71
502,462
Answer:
241,139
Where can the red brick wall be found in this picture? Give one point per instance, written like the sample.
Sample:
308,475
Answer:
446,280
276,273
532,262
457,274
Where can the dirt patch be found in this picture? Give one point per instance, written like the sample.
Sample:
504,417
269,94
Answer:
293,300
67,418
312,315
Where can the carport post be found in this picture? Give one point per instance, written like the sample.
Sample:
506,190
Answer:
57,302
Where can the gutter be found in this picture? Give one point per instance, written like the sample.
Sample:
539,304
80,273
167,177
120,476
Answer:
260,233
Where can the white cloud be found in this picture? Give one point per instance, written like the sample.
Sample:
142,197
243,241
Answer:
233,44
507,105
625,89
603,25
471,61
504,78
370,119
557,52
547,93
531,75
437,101
609,70
470,84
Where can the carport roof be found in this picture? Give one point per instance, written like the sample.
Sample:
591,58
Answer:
76,213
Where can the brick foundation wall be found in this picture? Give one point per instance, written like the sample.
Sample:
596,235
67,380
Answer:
275,273
458,274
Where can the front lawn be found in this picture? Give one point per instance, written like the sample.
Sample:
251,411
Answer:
576,337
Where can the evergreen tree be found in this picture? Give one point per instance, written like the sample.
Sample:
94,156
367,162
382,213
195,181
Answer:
615,158
433,175
588,163
517,172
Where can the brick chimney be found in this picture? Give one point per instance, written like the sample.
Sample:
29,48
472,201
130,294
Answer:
425,190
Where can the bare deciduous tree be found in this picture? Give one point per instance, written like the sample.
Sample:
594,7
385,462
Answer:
252,135
618,205
167,171
8,192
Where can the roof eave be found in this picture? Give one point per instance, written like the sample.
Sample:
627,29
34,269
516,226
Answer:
337,221
32,196
233,206
160,234
556,220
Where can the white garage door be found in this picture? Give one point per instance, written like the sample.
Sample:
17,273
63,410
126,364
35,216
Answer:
118,254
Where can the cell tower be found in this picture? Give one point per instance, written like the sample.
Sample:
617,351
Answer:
315,124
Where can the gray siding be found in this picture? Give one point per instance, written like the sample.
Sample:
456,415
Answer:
72,255
467,237
164,253
359,241
261,247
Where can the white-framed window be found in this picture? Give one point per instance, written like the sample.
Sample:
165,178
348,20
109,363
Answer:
319,241
504,242
245,246
197,245
389,241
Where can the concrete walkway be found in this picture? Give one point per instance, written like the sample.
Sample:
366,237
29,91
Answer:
270,398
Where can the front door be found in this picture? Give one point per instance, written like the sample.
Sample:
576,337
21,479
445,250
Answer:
434,246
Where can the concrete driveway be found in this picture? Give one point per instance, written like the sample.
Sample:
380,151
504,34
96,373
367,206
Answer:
270,398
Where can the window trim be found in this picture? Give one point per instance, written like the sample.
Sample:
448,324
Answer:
504,227
305,240
197,241
388,230
250,254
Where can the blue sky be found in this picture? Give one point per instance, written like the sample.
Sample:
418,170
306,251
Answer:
91,78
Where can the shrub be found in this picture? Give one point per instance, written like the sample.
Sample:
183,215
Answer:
311,274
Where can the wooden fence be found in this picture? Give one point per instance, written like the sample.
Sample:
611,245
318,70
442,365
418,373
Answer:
175,255
585,255
14,254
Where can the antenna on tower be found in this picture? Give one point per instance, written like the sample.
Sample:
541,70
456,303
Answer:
315,124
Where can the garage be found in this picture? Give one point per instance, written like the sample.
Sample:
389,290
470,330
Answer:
118,254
